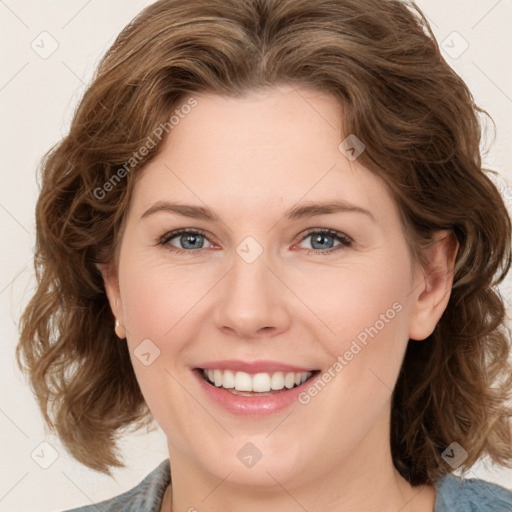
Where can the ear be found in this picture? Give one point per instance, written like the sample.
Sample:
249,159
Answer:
431,297
111,281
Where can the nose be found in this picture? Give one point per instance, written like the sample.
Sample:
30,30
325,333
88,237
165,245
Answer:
252,300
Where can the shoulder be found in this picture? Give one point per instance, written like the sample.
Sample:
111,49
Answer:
147,495
455,494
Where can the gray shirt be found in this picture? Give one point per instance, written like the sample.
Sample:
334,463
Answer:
453,495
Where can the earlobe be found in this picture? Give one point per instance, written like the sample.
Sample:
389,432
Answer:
432,296
111,282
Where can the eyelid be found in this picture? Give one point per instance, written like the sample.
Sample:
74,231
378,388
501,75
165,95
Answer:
166,237
345,240
332,232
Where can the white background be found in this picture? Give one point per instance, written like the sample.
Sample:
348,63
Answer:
37,98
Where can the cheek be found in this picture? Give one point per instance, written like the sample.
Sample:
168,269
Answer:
155,298
151,308
371,310
158,318
367,312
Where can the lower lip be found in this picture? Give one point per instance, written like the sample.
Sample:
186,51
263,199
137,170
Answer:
252,405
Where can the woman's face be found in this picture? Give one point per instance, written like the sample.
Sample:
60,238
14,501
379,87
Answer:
260,285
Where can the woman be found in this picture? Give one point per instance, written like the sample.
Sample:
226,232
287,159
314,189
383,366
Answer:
335,339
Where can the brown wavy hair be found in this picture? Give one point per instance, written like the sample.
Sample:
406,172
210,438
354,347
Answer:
422,132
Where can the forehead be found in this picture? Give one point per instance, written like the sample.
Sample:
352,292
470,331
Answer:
276,146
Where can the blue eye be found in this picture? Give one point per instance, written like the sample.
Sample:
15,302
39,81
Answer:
320,237
194,239
186,237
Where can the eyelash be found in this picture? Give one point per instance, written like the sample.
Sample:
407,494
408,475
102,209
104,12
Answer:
344,239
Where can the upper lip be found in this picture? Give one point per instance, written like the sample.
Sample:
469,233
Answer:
253,366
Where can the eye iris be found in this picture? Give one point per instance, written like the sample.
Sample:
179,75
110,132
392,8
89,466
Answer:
184,239
319,238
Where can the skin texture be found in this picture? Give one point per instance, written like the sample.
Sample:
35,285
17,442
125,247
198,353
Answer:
249,159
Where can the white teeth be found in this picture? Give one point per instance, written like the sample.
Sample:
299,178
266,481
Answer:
243,381
259,382
277,381
289,380
228,379
217,377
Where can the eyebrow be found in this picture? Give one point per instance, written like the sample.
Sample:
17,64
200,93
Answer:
303,210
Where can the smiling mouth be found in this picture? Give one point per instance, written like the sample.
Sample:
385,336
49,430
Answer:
259,384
